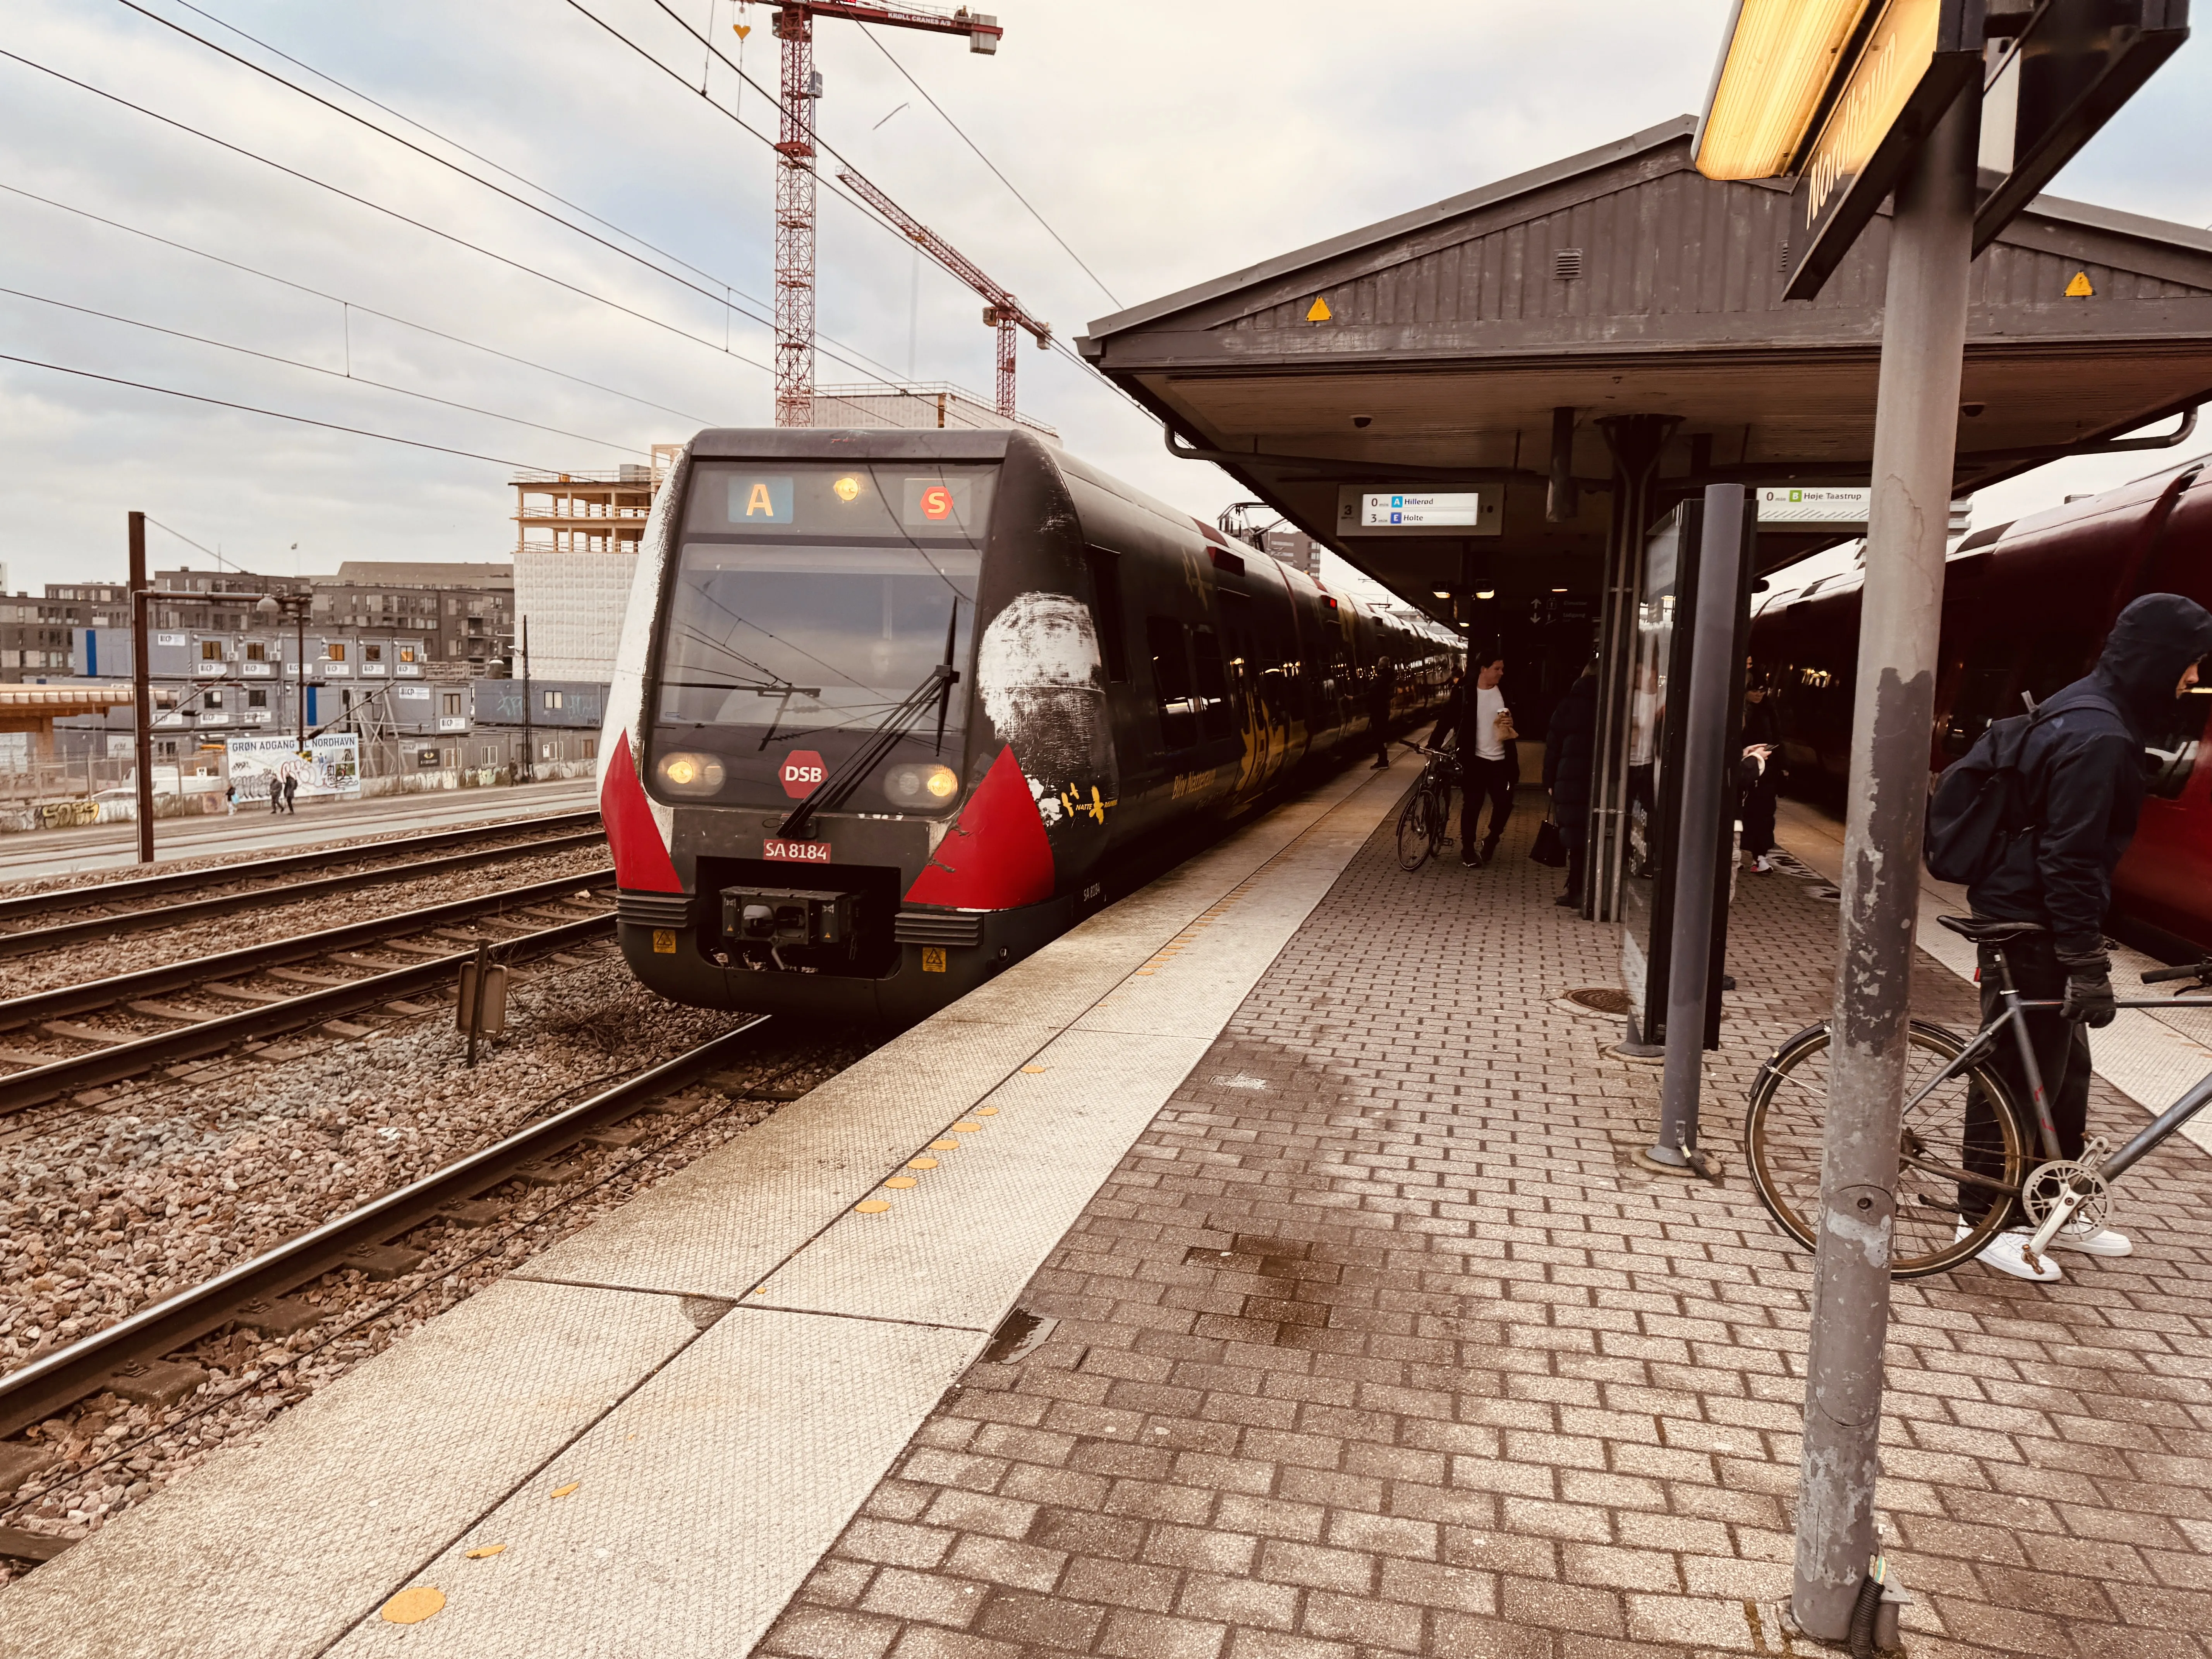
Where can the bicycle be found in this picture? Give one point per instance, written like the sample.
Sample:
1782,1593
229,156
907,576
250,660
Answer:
1785,1129
1421,822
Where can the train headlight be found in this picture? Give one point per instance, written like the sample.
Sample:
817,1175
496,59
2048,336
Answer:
690,775
931,785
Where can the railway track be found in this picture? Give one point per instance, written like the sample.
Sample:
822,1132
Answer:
249,995
132,1357
135,906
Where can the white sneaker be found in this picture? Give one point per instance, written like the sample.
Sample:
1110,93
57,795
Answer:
1761,866
2004,1254
2103,1242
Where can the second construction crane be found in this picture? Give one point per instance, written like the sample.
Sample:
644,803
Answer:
794,175
1000,309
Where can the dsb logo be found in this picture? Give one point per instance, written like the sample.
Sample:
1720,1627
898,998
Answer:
802,773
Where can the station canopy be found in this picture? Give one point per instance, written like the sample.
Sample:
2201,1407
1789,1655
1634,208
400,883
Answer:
1478,346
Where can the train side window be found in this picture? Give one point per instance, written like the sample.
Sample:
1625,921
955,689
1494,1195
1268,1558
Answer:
1106,605
2055,661
2171,754
1163,638
1215,720
1981,684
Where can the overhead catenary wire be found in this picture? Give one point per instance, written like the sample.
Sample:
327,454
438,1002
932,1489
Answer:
986,161
473,155
354,305
406,219
317,368
273,414
726,290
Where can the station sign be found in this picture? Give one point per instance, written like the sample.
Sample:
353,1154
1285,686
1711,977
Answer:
2055,83
1913,63
1419,512
1814,507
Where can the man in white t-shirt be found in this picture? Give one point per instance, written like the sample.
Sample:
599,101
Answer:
1490,764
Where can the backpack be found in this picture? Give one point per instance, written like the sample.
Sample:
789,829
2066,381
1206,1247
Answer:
1976,809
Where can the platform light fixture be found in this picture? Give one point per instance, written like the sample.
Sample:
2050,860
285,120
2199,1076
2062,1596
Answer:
1774,72
1441,592
1487,593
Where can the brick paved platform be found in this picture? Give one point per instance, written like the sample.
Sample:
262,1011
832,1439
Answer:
1377,1343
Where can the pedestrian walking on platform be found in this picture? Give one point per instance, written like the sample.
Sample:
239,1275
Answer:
1490,761
230,801
275,794
2076,789
291,788
1569,751
1758,776
1378,710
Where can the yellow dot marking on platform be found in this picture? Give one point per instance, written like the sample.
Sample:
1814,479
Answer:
902,1182
412,1606
1034,1071
968,1128
1318,311
986,1111
921,1163
562,1491
946,1145
872,1205
486,1552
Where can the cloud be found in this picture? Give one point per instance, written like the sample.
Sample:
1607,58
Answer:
1168,143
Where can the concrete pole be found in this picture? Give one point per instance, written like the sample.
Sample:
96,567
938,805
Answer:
141,687
1705,769
1915,442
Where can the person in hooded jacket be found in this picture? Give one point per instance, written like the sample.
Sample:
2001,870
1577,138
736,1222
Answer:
1570,753
2082,767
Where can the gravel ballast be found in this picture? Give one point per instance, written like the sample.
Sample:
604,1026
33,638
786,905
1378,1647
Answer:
105,1211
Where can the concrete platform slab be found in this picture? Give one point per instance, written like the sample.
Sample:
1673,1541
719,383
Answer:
274,1549
696,1505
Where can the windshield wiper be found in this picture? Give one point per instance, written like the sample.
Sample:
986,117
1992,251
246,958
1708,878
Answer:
838,787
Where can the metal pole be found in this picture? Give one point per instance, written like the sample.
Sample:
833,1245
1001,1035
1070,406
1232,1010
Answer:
142,688
477,998
1915,443
529,736
299,646
1698,839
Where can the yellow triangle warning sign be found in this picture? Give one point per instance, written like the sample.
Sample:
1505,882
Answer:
2079,289
1318,311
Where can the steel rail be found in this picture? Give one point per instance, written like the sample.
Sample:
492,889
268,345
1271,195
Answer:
36,1391
299,947
208,1036
185,881
32,939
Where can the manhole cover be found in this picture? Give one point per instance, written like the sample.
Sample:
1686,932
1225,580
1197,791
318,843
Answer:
1599,999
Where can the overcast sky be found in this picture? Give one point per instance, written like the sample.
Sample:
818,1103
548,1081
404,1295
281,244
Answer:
1166,143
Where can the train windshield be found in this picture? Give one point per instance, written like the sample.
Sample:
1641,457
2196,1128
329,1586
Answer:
797,631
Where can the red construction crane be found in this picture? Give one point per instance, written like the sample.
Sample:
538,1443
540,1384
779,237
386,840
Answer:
1001,311
794,173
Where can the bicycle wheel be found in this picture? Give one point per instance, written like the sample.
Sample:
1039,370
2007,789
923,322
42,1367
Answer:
1417,827
1786,1126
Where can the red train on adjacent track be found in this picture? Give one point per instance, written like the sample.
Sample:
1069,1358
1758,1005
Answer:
2025,609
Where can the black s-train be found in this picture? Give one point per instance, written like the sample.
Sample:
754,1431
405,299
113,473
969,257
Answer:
892,709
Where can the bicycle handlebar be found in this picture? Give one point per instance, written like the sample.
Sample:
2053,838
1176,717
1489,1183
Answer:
2160,975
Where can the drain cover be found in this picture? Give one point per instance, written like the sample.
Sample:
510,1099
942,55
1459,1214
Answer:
1599,999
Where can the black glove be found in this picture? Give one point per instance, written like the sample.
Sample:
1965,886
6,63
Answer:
2088,989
